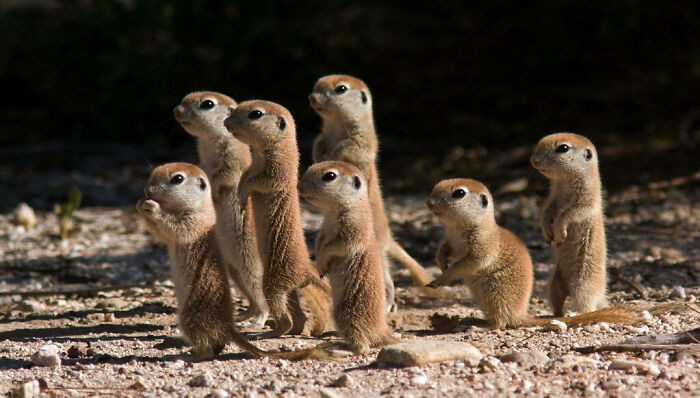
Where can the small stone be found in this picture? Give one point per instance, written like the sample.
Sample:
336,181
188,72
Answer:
526,357
568,362
24,215
642,330
217,393
202,380
114,303
419,380
326,393
598,327
646,316
678,292
46,356
79,350
491,363
556,326
29,306
29,389
109,317
420,352
526,385
138,384
649,368
345,380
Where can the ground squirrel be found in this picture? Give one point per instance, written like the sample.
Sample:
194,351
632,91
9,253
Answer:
348,134
346,250
179,211
572,221
224,159
271,183
494,262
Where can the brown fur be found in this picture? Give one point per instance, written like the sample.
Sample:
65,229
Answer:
494,262
271,183
182,216
348,135
347,252
224,159
572,221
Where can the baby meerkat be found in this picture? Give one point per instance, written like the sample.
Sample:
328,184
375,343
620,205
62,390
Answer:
494,262
271,184
348,134
224,159
178,210
346,250
572,221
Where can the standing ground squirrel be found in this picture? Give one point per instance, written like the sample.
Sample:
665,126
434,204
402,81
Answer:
271,183
494,262
224,159
348,134
346,250
572,221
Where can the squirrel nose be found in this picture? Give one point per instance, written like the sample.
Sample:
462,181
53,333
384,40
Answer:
429,202
313,99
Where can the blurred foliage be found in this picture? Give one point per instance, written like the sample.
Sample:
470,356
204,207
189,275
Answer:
64,211
493,73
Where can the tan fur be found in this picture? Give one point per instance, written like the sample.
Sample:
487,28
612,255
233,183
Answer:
572,221
182,216
224,159
271,183
348,134
347,252
495,263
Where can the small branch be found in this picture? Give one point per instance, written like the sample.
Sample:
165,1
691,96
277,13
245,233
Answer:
617,273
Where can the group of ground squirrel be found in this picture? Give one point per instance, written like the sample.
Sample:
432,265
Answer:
237,215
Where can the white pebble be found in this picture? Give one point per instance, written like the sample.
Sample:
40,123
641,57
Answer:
556,326
419,380
46,356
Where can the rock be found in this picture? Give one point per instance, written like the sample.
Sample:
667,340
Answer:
109,317
526,357
556,326
649,368
114,303
29,389
326,393
642,330
419,380
345,380
420,352
24,216
138,384
678,292
29,306
46,356
491,363
568,362
217,393
597,327
202,380
80,350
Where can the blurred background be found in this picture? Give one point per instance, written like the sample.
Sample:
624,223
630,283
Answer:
460,88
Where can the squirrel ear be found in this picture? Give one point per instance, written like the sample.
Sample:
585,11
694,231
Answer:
202,184
587,154
484,200
357,182
281,123
364,97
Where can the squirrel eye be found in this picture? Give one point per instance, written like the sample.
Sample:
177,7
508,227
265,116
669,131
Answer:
207,104
256,114
330,176
562,148
458,193
177,179
341,89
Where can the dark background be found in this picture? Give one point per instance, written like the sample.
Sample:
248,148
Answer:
460,88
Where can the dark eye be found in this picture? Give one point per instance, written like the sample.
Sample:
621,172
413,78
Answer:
458,193
256,114
330,176
562,148
341,89
207,104
177,179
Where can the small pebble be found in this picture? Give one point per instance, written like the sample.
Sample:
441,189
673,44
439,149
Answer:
526,357
491,363
678,292
29,389
24,215
109,317
344,380
556,326
217,393
46,356
649,368
202,380
419,380
80,350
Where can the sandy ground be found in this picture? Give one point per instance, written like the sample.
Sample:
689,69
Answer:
653,236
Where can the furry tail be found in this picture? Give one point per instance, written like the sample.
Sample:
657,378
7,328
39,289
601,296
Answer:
616,315
420,276
316,296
